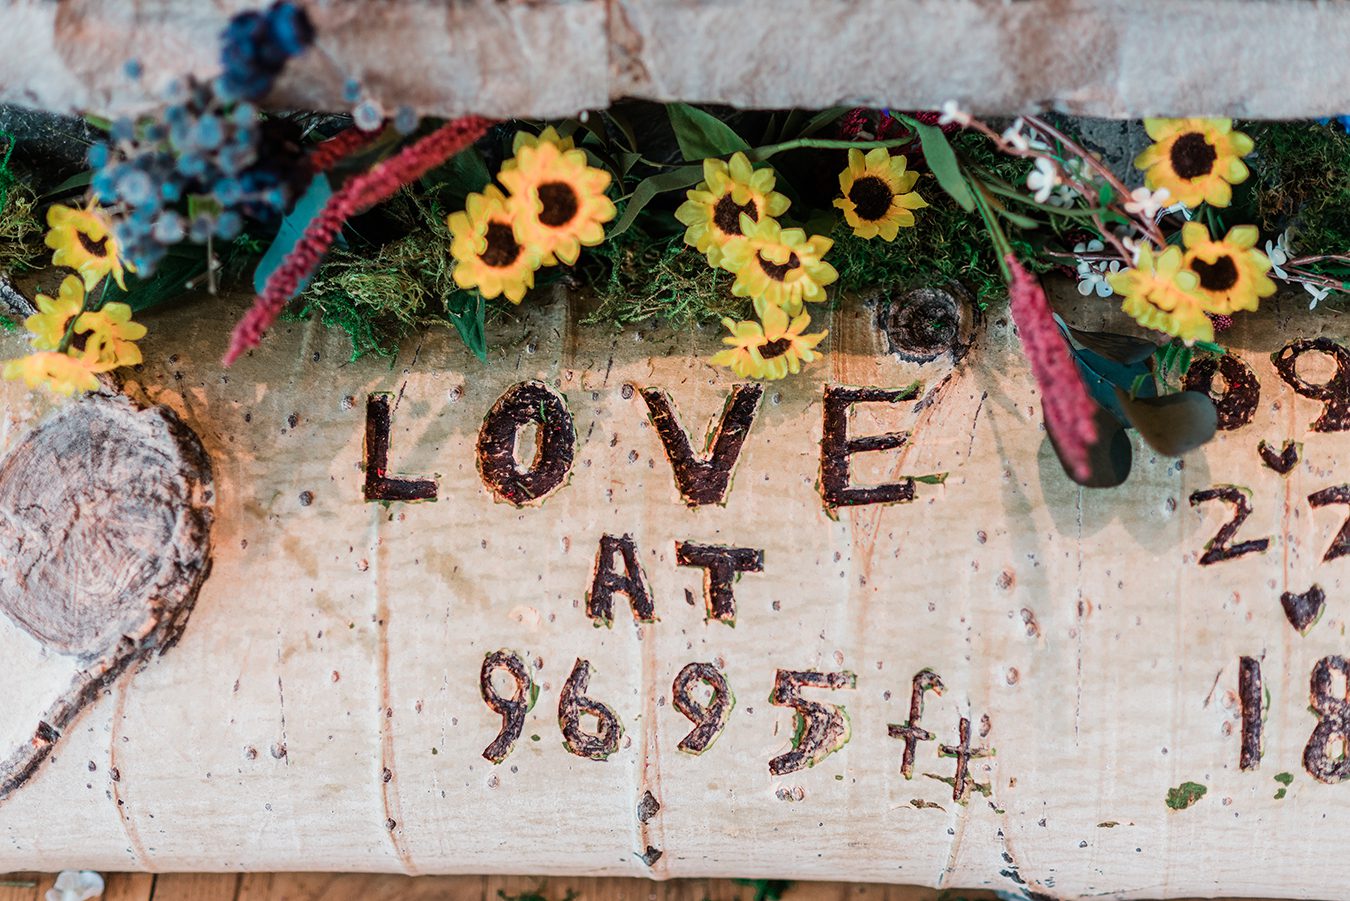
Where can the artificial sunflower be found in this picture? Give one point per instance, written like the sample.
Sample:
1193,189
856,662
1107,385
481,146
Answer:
112,336
1160,293
524,139
557,201
771,350
778,265
712,211
58,372
878,194
50,323
1195,159
487,254
1232,272
83,241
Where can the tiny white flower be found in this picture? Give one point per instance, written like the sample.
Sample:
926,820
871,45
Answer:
1318,294
1132,246
1278,252
1146,203
1093,246
1043,179
952,113
76,885
1092,277
1014,137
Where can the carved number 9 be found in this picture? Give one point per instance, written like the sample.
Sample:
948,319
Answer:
572,704
709,719
819,729
513,708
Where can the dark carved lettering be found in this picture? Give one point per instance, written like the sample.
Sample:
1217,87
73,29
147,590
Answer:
608,582
721,566
1334,393
1251,696
1324,759
512,708
1218,548
573,704
818,729
1284,461
910,731
1302,610
555,442
1241,393
379,486
836,447
1339,494
709,719
704,480
961,782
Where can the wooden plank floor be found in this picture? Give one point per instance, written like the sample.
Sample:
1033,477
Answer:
359,887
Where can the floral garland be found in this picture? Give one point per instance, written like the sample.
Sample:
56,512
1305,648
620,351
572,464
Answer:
211,170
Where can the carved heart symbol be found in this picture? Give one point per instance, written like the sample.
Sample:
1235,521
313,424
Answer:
1282,462
1303,609
105,519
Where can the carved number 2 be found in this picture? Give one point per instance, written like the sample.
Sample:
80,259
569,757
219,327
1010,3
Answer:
513,708
1340,494
1218,547
820,729
1325,761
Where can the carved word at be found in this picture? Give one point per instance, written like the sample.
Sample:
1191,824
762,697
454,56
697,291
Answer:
700,477
593,729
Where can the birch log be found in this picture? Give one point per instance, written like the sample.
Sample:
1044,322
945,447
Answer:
549,58
622,655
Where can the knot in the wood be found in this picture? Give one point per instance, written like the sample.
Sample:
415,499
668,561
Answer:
924,323
105,516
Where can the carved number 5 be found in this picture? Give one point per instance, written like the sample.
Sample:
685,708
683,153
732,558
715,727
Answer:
818,729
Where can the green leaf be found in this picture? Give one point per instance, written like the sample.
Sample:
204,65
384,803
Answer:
820,120
466,310
464,174
1174,423
77,182
182,265
1124,349
648,188
944,165
701,134
293,226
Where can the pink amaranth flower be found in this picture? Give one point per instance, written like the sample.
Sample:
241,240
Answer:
360,193
1069,411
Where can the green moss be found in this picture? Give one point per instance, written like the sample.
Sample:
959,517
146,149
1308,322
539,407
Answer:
637,279
1300,179
1185,794
21,231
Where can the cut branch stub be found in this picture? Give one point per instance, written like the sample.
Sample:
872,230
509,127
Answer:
105,516
923,324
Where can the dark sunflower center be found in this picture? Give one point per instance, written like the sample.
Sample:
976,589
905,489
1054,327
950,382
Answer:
727,214
871,198
775,348
779,271
1220,275
502,249
560,203
1192,155
97,248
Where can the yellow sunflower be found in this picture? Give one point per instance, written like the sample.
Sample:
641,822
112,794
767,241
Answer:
524,139
50,322
557,201
713,210
112,336
1232,272
487,255
1195,159
878,197
83,241
769,351
57,372
1160,293
779,265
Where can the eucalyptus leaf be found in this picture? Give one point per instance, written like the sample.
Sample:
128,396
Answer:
649,187
293,226
1124,349
944,165
1173,423
701,134
1109,459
